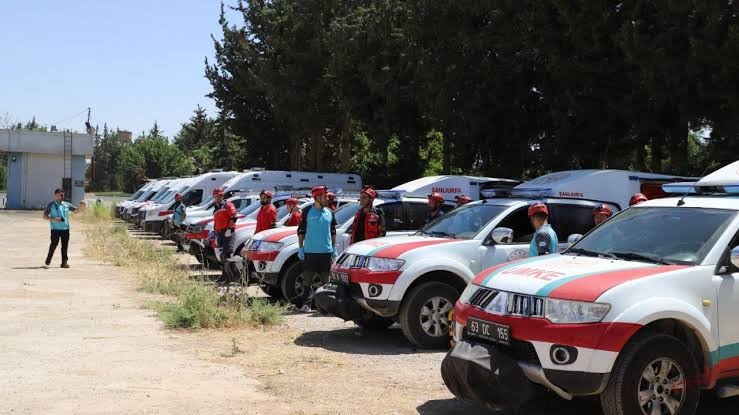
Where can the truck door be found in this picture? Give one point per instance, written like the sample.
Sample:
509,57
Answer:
518,248
570,218
727,282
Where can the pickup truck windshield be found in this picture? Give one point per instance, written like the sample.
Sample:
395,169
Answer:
663,235
463,222
346,212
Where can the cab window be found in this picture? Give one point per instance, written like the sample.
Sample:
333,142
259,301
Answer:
416,215
395,216
521,225
570,219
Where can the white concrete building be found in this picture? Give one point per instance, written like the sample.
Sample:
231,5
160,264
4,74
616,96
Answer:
39,162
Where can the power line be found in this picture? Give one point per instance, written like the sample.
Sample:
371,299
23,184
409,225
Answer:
70,117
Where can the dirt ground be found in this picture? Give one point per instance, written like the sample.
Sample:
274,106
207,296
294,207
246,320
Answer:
83,340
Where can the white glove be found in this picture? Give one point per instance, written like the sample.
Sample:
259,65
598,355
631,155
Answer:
228,233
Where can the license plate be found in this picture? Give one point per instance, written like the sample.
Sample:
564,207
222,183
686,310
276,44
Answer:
339,277
492,332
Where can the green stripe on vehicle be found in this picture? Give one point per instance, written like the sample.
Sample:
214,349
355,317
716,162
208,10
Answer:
511,265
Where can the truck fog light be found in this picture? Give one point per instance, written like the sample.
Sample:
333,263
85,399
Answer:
262,265
374,290
562,355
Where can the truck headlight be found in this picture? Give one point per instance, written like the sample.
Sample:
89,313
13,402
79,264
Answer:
384,264
467,293
573,312
269,246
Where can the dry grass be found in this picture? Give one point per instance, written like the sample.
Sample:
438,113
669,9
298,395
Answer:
195,303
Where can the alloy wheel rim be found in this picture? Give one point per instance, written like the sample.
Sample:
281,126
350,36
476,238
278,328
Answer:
661,389
434,316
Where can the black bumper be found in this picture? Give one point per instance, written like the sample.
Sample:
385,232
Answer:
484,374
269,278
336,300
154,226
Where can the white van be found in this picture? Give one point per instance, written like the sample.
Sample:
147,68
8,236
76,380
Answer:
134,197
172,188
255,180
155,192
452,186
193,191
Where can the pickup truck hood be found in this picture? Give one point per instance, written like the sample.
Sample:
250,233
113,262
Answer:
568,277
396,246
285,234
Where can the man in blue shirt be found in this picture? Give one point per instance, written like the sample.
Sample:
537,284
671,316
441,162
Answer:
57,213
545,240
178,219
317,243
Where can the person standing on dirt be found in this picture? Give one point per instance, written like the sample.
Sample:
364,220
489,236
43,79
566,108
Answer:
57,213
267,215
224,225
369,222
296,215
317,243
178,219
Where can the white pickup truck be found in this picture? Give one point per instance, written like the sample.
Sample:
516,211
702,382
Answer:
642,311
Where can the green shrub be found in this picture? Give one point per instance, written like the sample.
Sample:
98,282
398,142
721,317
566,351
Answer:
265,313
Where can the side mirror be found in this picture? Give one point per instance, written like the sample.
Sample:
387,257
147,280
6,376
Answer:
503,235
734,256
574,238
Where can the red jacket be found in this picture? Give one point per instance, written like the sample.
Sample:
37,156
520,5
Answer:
266,218
223,215
295,218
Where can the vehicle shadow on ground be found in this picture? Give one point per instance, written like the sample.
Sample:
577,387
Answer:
454,407
358,341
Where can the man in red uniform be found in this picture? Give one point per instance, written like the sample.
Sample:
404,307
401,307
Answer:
462,200
435,200
267,215
331,201
637,198
224,224
295,213
601,214
369,221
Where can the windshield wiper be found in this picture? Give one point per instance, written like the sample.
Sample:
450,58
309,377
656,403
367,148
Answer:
586,252
640,257
422,232
443,234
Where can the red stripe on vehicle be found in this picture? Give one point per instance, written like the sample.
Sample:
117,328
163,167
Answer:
197,235
591,287
373,277
479,278
244,225
261,256
275,237
601,336
398,250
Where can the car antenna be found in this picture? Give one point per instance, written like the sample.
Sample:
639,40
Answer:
682,201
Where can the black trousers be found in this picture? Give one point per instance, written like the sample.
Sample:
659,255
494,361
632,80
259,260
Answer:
56,235
315,267
228,271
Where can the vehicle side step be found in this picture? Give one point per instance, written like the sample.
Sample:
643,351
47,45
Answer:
727,391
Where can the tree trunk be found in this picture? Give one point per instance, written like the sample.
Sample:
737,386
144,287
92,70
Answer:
316,150
345,144
656,161
294,151
679,148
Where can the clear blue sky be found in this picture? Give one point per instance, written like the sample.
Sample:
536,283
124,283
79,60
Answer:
132,61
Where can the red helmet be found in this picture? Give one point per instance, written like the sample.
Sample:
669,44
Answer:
318,191
637,198
218,191
266,193
292,201
538,208
603,209
178,197
462,199
331,196
369,192
436,197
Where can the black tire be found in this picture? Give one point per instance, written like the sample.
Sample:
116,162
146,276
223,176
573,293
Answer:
372,322
289,284
272,291
410,315
621,395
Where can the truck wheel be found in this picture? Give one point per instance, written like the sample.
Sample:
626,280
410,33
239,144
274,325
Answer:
372,322
274,292
656,374
424,314
292,284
